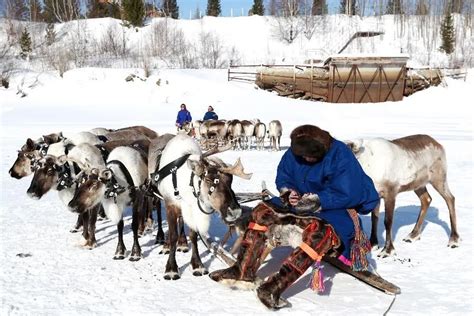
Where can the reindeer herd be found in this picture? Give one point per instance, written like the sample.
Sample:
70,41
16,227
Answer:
105,171
242,134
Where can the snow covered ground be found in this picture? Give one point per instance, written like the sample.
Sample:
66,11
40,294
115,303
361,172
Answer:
44,272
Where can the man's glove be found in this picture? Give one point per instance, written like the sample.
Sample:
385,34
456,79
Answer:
308,202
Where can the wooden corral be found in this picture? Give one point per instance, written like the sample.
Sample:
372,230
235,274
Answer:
342,79
366,79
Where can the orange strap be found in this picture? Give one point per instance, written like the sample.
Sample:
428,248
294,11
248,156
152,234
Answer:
310,252
255,226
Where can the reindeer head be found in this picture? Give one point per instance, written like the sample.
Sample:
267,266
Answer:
92,187
24,163
45,177
214,189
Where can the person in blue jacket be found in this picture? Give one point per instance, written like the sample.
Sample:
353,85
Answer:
184,117
322,190
210,114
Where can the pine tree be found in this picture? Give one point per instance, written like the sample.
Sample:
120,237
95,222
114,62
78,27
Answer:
25,44
320,7
349,7
97,9
257,8
50,36
394,7
134,11
171,8
35,10
213,7
447,33
114,10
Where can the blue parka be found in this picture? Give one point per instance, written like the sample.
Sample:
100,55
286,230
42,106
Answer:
340,183
210,115
183,117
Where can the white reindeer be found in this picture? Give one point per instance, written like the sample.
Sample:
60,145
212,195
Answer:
400,165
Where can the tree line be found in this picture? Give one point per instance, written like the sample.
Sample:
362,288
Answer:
136,11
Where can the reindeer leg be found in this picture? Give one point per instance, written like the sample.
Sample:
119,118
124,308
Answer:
171,271
85,228
138,218
92,215
182,240
160,235
101,213
77,227
374,241
425,200
388,249
120,250
442,187
196,263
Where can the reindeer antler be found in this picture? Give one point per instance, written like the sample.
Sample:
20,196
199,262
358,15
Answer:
216,150
237,170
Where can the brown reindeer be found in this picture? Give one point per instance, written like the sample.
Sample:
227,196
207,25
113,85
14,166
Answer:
400,165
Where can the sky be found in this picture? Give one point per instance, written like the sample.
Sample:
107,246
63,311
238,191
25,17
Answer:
228,7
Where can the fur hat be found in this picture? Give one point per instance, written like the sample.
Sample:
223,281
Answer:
310,141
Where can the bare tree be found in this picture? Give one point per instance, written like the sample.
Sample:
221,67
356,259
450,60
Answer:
114,42
289,25
211,50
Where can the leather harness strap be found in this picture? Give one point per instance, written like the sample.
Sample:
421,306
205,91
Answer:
255,226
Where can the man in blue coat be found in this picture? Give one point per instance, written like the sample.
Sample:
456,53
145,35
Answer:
210,114
183,117
322,188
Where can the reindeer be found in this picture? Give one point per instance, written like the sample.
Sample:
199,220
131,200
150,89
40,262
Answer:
274,134
115,187
213,130
32,150
48,176
260,132
248,132
193,186
400,165
234,134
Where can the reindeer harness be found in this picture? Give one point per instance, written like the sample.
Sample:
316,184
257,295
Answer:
113,189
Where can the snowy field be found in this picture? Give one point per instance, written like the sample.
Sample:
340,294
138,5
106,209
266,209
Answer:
45,272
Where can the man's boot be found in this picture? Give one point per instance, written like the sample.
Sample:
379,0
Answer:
248,260
318,239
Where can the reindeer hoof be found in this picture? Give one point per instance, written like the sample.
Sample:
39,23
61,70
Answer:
135,258
411,238
75,230
171,276
119,257
90,246
200,271
183,249
164,251
386,253
453,244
